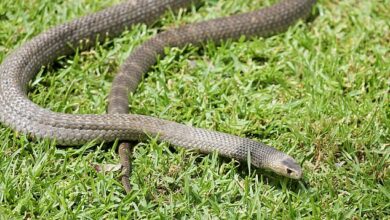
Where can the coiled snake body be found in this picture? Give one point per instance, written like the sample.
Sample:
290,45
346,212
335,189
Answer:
18,112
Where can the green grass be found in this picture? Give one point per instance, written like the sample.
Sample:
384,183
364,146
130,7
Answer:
319,92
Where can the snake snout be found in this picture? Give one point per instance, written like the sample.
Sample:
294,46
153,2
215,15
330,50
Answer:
290,168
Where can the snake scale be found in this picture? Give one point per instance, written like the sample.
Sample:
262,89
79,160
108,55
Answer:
17,69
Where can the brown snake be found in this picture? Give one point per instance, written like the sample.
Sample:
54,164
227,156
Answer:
19,113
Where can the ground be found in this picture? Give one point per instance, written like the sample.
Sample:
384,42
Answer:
319,92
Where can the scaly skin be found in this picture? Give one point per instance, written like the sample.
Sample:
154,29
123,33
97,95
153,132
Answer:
22,65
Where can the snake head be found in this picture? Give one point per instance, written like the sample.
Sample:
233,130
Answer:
287,166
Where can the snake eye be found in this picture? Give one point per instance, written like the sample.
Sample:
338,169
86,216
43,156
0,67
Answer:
289,171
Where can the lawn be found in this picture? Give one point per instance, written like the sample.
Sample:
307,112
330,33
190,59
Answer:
319,91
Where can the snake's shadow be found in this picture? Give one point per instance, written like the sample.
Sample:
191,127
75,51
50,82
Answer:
243,169
267,177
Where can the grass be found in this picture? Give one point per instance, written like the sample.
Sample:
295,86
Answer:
319,92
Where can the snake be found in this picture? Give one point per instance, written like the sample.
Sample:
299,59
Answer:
22,64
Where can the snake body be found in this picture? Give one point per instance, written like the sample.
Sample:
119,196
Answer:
19,113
